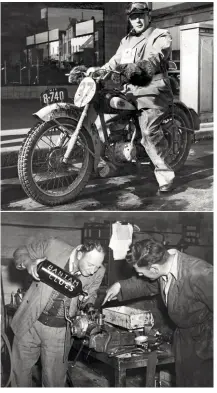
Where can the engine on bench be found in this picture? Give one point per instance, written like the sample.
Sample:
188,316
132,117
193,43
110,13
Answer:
116,328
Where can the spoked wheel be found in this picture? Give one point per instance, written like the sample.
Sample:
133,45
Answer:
43,175
179,137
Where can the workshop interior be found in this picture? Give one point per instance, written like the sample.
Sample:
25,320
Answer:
118,344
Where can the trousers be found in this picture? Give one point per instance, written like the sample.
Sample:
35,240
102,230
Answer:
155,144
45,342
152,101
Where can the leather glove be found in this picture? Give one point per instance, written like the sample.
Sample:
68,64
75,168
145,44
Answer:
77,74
140,73
127,69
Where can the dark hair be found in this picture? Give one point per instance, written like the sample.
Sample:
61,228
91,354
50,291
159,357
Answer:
146,253
91,245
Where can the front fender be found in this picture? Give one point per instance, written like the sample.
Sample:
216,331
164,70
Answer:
66,110
61,109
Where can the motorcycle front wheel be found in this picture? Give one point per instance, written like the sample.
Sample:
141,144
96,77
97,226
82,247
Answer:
42,173
179,134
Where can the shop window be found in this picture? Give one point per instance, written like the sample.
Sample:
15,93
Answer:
79,33
69,48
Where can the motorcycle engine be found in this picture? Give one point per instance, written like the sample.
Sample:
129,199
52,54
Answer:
121,152
121,148
84,325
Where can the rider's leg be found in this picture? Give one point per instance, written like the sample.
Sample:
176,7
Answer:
156,145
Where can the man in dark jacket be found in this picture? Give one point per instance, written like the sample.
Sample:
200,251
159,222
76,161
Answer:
186,286
39,324
142,58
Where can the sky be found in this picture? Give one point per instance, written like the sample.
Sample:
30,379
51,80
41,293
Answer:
59,18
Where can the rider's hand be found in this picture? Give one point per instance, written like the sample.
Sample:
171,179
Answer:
32,268
112,292
128,70
77,74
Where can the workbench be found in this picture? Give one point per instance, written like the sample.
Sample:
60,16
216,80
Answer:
120,365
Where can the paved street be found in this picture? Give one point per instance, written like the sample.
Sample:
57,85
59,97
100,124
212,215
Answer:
194,191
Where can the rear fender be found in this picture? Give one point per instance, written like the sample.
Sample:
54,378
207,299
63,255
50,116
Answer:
65,110
192,115
196,119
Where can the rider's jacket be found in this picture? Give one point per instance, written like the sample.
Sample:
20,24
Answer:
155,46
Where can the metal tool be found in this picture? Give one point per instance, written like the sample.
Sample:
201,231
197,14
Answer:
84,342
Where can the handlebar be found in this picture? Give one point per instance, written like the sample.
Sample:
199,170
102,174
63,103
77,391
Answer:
105,77
95,74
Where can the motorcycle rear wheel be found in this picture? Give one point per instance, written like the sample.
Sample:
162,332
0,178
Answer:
42,174
180,138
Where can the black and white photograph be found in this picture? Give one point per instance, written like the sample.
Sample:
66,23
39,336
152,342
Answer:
107,106
107,194
107,300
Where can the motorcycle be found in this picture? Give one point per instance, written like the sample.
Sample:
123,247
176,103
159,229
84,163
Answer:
98,133
174,76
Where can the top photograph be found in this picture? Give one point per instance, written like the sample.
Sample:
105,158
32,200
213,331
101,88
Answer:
107,106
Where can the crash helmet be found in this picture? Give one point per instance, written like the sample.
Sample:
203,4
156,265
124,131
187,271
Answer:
138,7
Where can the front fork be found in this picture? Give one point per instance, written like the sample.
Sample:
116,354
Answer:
74,137
99,140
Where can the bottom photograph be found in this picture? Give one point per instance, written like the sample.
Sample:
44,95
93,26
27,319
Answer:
106,299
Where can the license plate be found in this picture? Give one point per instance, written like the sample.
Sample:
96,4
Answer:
51,96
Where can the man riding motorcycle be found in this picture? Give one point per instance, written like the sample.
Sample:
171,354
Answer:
142,58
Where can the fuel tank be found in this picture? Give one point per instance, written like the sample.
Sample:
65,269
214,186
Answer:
113,101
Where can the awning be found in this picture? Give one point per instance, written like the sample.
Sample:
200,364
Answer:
89,43
78,44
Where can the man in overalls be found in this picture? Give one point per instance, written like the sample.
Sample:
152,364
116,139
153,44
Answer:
142,58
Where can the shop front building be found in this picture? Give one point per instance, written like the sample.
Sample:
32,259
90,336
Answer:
41,42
